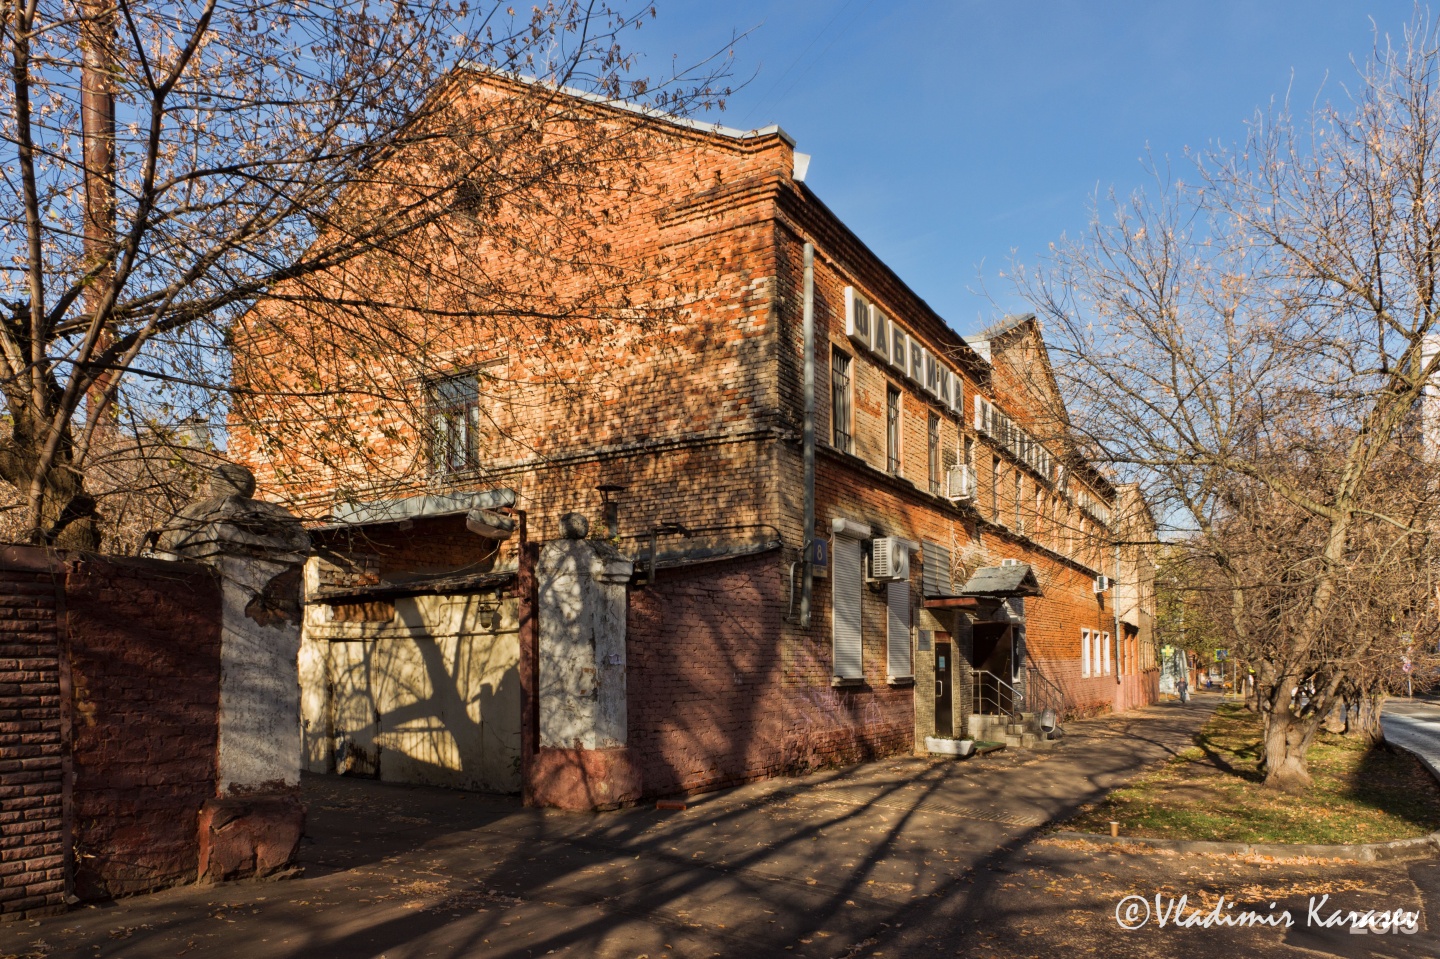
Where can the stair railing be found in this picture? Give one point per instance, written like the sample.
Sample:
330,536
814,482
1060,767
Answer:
993,696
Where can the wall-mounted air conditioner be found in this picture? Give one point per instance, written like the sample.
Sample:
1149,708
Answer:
1102,583
959,483
1009,562
889,559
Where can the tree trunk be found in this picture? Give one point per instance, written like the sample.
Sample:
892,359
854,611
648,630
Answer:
1365,721
1287,740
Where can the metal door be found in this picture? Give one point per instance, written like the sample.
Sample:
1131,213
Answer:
944,691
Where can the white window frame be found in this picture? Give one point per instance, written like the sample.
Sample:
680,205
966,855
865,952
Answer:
1105,653
1084,653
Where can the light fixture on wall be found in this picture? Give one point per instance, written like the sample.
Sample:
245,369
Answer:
610,507
488,609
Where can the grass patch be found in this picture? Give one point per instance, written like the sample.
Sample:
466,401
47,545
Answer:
1213,791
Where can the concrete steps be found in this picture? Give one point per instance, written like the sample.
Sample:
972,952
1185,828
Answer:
1025,734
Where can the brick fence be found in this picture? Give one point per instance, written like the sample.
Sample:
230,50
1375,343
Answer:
109,699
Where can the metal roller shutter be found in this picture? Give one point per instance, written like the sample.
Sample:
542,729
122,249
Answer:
897,639
847,585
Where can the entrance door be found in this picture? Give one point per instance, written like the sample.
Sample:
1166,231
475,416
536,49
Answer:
944,714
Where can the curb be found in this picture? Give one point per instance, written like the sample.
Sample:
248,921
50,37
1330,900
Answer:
1419,848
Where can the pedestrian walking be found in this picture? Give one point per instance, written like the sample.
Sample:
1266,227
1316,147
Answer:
1183,688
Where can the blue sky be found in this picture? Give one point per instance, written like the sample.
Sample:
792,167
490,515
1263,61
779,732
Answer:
953,136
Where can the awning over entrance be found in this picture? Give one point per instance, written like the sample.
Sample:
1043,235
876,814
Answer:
1003,582
420,507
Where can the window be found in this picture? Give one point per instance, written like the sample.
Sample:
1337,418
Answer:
892,430
454,404
933,432
897,631
994,489
1019,482
840,401
1105,653
970,452
848,585
1084,652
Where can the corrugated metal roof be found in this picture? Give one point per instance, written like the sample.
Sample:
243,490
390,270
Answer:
1017,580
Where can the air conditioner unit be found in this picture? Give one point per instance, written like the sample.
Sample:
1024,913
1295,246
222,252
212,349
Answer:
1102,583
1009,562
959,483
889,559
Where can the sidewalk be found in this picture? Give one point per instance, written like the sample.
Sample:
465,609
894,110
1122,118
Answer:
897,857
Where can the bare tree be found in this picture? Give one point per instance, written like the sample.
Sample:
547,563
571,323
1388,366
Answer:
172,163
1250,348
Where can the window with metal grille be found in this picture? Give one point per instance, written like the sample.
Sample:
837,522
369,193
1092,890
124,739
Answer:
454,413
840,419
995,489
1019,482
933,434
892,430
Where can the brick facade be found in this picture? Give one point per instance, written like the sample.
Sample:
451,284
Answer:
701,423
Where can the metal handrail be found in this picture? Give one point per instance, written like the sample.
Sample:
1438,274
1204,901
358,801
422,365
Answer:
1043,693
994,696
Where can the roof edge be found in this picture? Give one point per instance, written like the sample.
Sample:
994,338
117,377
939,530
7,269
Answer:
717,129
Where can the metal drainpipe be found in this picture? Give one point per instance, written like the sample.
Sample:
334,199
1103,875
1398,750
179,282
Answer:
1115,601
807,577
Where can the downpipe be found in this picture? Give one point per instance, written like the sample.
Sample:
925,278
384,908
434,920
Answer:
807,538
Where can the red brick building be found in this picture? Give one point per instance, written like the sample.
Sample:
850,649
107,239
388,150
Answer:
959,547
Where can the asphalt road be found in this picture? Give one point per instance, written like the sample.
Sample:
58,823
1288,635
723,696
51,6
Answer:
1415,724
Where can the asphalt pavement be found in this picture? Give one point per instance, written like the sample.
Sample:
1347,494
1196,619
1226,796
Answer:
903,857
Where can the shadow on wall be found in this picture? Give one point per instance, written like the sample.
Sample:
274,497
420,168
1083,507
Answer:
417,705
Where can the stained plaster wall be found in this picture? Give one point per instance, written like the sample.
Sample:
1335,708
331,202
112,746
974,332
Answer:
425,696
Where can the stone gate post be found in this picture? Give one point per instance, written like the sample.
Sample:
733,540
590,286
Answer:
252,827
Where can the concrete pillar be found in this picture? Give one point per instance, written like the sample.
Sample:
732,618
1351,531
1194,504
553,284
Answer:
582,759
258,549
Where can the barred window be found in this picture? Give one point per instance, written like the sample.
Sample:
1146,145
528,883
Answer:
840,421
454,411
892,430
934,437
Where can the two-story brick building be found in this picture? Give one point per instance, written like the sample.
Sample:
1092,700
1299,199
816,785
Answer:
852,528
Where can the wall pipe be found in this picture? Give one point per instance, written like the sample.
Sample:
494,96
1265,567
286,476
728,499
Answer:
1115,601
807,576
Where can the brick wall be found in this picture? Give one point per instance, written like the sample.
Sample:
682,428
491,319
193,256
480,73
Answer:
145,662
724,691
110,678
32,764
